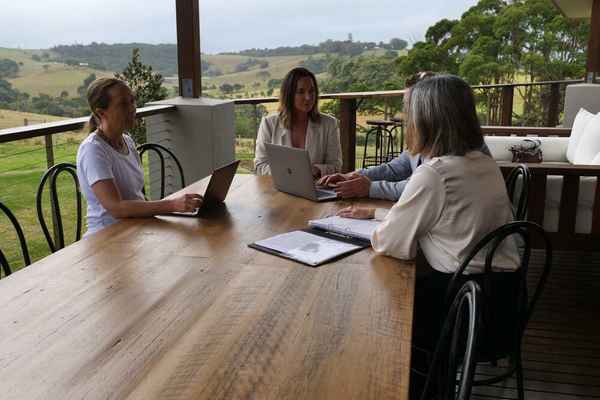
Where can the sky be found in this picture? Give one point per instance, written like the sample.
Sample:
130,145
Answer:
225,25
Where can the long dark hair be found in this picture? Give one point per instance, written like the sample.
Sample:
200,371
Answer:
98,97
288,93
442,119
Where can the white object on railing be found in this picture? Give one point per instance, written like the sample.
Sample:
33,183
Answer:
200,132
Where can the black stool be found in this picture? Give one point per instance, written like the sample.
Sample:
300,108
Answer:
397,131
381,131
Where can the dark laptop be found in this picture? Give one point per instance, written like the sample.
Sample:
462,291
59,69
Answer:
217,189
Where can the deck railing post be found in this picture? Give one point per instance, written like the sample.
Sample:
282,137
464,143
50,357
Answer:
553,105
507,105
348,134
255,106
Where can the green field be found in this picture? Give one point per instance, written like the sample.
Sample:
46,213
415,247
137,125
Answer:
35,79
11,119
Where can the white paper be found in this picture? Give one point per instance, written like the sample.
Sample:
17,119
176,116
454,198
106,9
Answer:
306,247
360,228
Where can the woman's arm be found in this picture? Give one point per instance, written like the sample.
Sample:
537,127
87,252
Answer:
109,197
261,161
412,217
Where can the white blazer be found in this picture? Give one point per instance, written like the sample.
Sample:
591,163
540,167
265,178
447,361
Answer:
322,143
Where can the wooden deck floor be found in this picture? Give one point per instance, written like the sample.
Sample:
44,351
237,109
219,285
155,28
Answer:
561,348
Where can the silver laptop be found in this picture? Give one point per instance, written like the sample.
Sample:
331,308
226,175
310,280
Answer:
292,173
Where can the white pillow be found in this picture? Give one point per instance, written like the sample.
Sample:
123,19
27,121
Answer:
589,143
581,121
596,160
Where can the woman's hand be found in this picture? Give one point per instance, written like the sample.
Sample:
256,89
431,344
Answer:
187,202
357,212
357,186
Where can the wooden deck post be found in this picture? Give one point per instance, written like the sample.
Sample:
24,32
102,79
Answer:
348,133
553,106
188,48
507,105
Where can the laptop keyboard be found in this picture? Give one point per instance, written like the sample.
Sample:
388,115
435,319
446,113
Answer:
324,193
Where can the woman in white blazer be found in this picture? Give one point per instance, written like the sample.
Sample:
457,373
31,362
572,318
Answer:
300,124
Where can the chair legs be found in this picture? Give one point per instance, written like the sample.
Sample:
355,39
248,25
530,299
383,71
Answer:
384,146
519,373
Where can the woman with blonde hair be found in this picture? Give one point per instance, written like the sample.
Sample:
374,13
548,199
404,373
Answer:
108,166
300,124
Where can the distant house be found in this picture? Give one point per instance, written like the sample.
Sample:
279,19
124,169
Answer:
84,64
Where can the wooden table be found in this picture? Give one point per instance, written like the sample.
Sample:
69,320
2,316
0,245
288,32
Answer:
181,308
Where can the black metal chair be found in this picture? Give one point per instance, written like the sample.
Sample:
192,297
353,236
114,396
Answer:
519,199
380,133
501,339
456,348
159,150
52,174
24,251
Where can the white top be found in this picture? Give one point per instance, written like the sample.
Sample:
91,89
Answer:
96,161
322,143
448,205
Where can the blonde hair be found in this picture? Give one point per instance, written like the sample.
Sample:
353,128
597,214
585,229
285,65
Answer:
98,97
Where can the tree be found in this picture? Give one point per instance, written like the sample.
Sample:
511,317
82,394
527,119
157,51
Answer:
8,69
226,88
398,44
499,41
147,86
82,90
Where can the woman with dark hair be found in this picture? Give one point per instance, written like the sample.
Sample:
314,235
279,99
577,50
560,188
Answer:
108,166
300,124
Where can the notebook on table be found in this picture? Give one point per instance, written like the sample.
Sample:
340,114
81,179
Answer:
326,240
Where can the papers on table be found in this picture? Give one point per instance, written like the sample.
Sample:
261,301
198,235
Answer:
306,247
358,228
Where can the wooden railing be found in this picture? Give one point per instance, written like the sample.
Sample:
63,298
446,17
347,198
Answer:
48,129
508,95
349,104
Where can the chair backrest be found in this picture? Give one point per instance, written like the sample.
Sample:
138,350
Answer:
456,346
512,182
52,174
24,251
526,232
160,150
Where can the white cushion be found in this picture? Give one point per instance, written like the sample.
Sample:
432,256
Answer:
554,149
589,143
581,120
596,160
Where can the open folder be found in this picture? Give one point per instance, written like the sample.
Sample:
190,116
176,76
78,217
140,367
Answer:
327,240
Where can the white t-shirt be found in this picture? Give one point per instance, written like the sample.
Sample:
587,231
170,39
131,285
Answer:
96,161
448,205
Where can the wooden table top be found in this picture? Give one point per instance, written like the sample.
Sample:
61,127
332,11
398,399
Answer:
181,308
